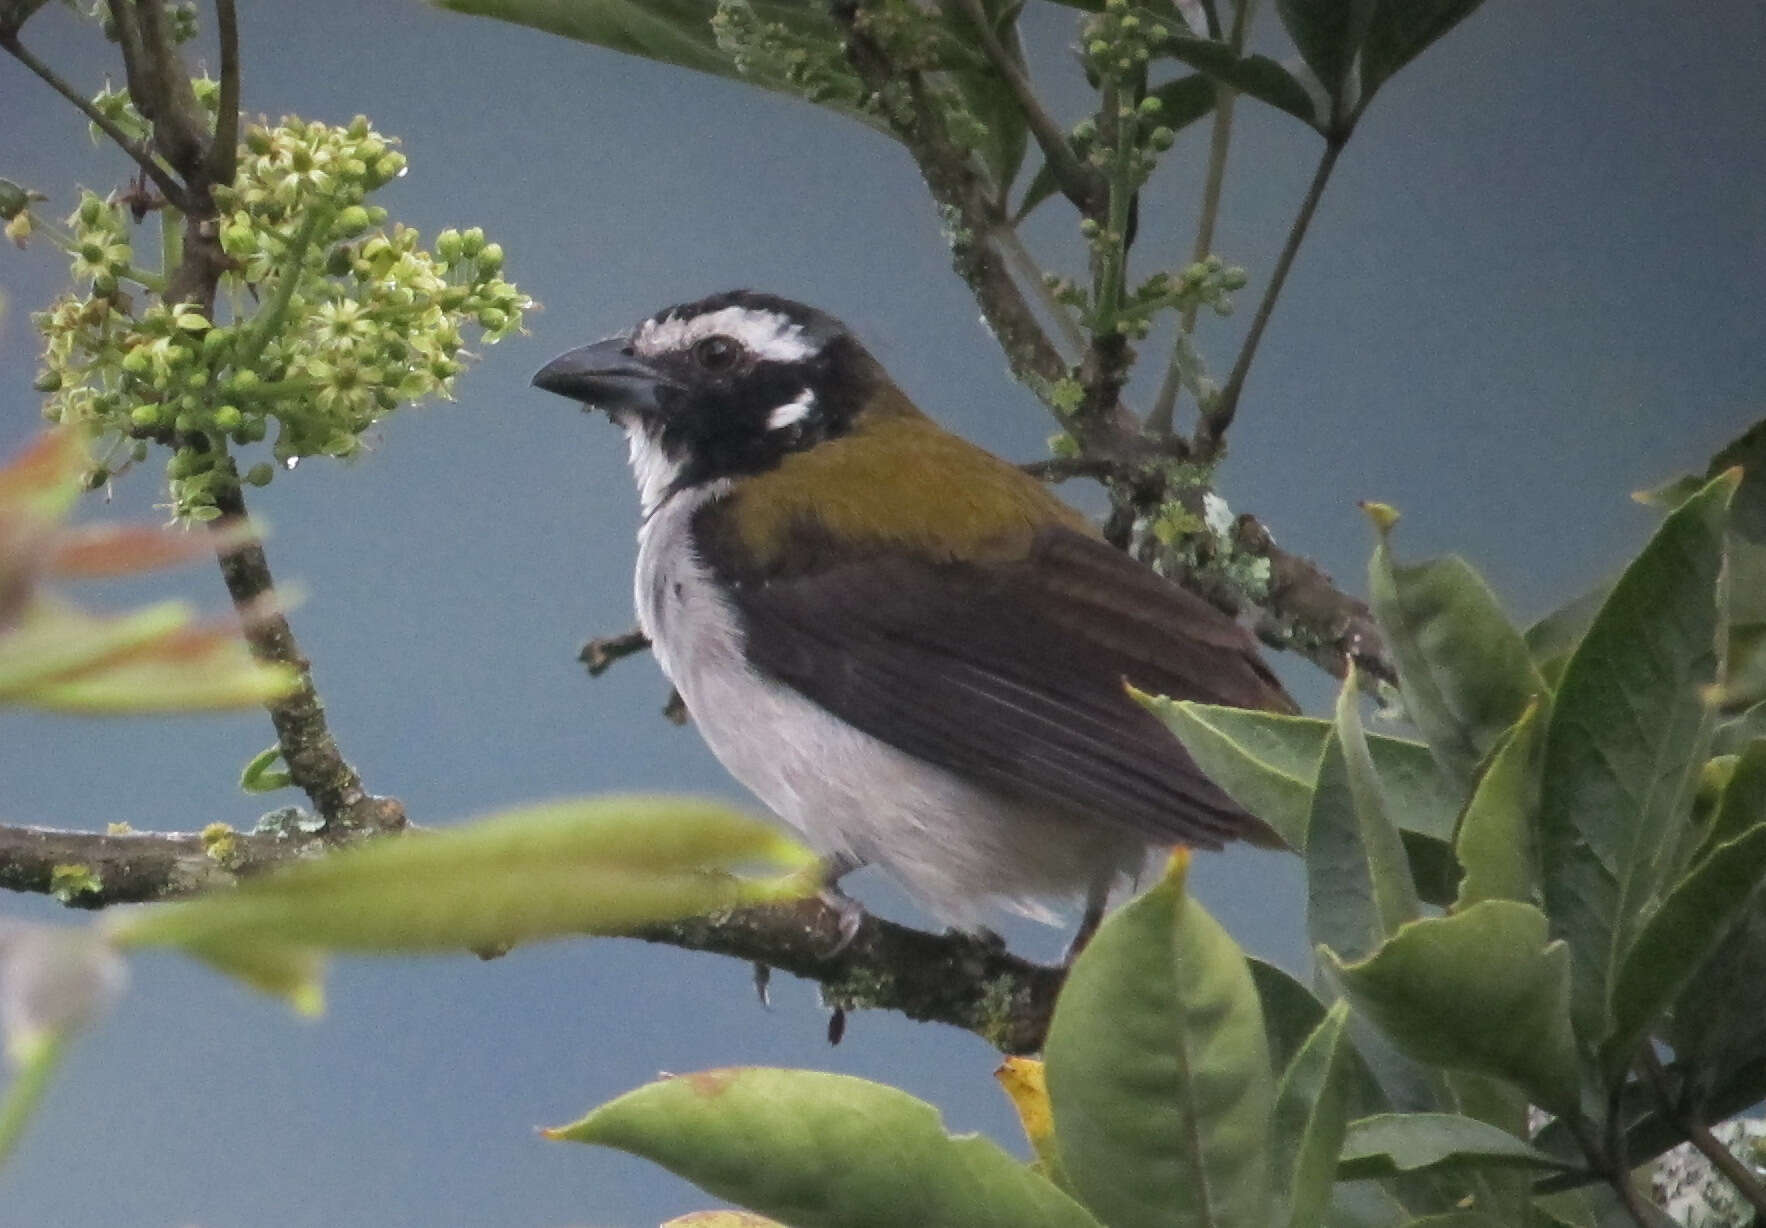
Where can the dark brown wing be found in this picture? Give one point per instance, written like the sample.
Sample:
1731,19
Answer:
1011,673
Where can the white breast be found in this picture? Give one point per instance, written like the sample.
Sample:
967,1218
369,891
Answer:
954,846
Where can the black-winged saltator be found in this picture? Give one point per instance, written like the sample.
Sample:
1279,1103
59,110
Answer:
906,647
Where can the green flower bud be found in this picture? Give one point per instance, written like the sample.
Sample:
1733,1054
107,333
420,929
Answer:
472,241
260,474
1098,48
257,139
352,221
491,258
1151,106
91,210
244,381
449,245
1162,138
1089,227
390,166
187,421
228,418
492,319
47,381
376,215
136,361
253,430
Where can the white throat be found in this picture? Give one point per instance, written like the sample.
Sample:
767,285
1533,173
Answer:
652,468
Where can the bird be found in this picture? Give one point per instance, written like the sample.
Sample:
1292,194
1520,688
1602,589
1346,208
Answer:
906,647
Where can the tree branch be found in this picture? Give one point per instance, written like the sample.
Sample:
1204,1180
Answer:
169,187
943,978
224,150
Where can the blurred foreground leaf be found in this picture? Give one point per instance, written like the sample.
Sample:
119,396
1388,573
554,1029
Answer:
597,866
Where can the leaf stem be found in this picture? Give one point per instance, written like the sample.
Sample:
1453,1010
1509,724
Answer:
270,319
1079,182
1211,430
1160,417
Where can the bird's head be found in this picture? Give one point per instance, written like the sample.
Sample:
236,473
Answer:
721,388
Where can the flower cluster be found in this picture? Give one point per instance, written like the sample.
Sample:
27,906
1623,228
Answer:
328,320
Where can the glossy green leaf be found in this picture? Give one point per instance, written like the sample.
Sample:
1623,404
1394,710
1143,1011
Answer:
824,1151
677,32
1393,1143
1464,670
1495,839
1400,31
1482,990
1552,639
1678,938
1311,1115
1359,888
1718,1025
1626,743
1158,1071
1269,763
1257,75
599,866
1328,33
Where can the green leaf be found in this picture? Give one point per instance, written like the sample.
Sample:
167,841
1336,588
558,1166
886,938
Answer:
1481,990
1359,889
1626,743
1747,514
598,866
261,773
1400,31
1495,839
1158,1071
1679,937
1328,34
1269,764
1552,639
824,1151
1393,1143
677,32
1458,1219
1464,670
1732,736
1004,131
1257,75
1311,1115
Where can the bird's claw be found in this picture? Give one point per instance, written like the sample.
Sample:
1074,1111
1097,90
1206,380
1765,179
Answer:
849,914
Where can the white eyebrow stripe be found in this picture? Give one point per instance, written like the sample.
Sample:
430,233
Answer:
765,334
792,412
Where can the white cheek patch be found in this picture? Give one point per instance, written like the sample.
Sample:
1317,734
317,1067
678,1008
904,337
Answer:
765,334
792,412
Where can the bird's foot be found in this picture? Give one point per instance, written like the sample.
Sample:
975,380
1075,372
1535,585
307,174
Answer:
850,914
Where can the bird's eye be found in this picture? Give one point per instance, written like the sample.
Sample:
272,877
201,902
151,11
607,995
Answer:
716,353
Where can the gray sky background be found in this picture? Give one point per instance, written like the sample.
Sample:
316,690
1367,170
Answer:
1534,287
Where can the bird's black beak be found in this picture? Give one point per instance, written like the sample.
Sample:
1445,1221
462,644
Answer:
606,375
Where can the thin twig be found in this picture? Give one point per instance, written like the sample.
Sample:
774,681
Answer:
1211,430
224,151
315,764
1161,416
1698,1133
1032,275
169,187
1078,182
